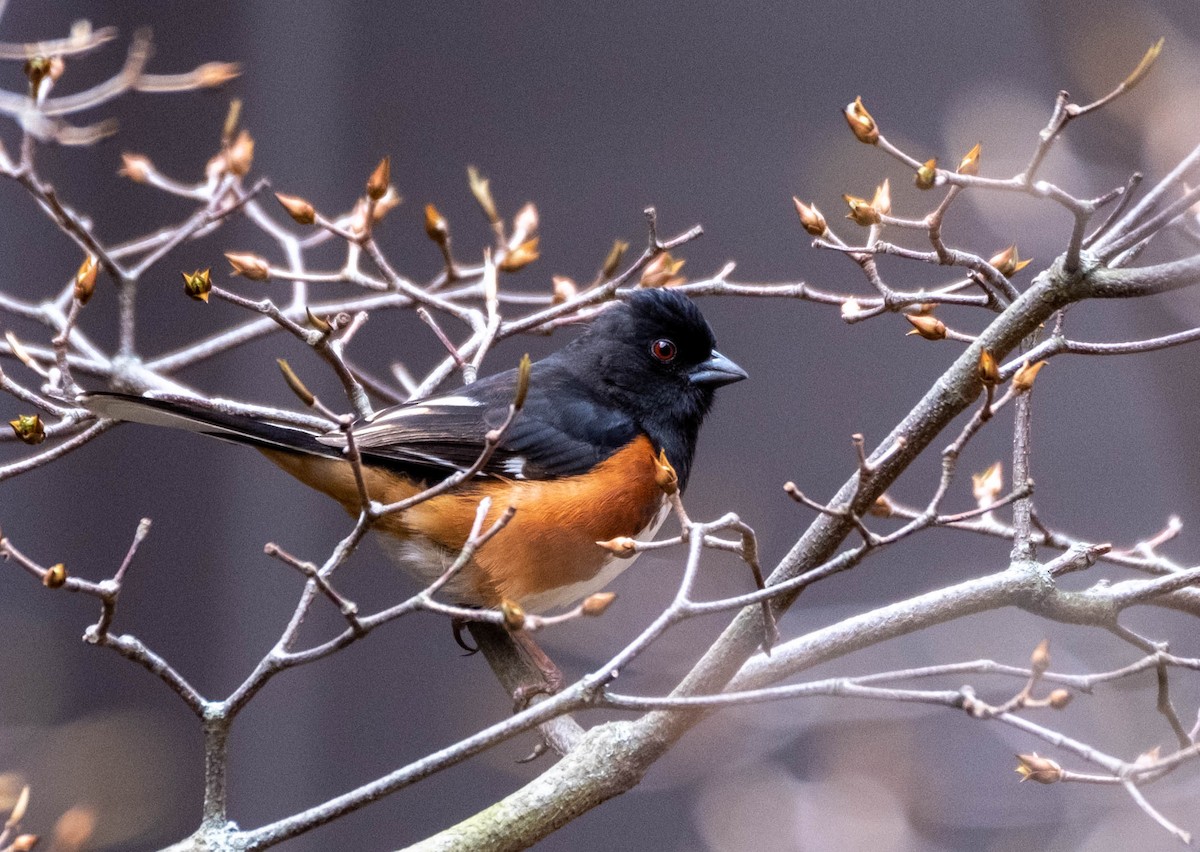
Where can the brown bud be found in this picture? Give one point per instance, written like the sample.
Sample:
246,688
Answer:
436,226
564,289
37,69
989,370
861,211
665,476
301,211
24,843
198,284
380,179
136,167
613,260
241,154
85,279
525,223
213,74
74,828
524,369
929,327
882,507
926,175
55,576
1149,757
810,217
662,271
597,603
29,428
986,486
1059,698
248,266
390,201
1008,262
520,257
1043,770
1039,660
862,125
969,165
882,200
481,189
293,381
1024,377
622,547
514,615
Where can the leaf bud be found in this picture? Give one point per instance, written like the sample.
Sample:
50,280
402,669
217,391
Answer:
597,603
862,125
85,279
249,266
436,226
969,165
380,179
1043,770
929,327
55,576
514,615
29,428
926,175
198,284
810,217
301,211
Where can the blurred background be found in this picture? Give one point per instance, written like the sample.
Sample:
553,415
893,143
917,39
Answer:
716,114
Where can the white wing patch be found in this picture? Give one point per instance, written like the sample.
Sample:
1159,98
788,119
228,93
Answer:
454,402
514,467
425,406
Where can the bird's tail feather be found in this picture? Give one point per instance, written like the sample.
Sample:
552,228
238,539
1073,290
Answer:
176,414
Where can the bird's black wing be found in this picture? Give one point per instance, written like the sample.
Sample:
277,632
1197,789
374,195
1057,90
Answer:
561,430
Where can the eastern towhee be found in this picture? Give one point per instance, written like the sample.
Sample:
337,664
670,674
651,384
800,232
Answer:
578,462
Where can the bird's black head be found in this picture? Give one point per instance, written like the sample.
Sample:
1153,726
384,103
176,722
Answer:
655,356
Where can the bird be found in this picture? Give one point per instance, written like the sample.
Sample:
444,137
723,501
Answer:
578,462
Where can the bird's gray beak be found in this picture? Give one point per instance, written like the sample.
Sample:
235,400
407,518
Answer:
716,371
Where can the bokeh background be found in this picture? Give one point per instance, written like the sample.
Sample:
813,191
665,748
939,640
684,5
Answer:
716,114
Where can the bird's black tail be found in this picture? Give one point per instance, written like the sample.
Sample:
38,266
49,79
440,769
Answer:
178,414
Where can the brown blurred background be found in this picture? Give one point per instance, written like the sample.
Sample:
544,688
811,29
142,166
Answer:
716,114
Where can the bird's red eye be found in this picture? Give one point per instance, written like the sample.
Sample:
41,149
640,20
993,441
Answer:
663,349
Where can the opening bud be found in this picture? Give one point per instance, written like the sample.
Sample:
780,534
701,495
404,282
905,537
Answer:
969,165
136,167
929,327
55,576
862,125
514,615
926,175
1043,770
810,217
664,474
248,266
29,428
861,211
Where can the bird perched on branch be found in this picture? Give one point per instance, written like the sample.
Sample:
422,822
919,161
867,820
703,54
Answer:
579,461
